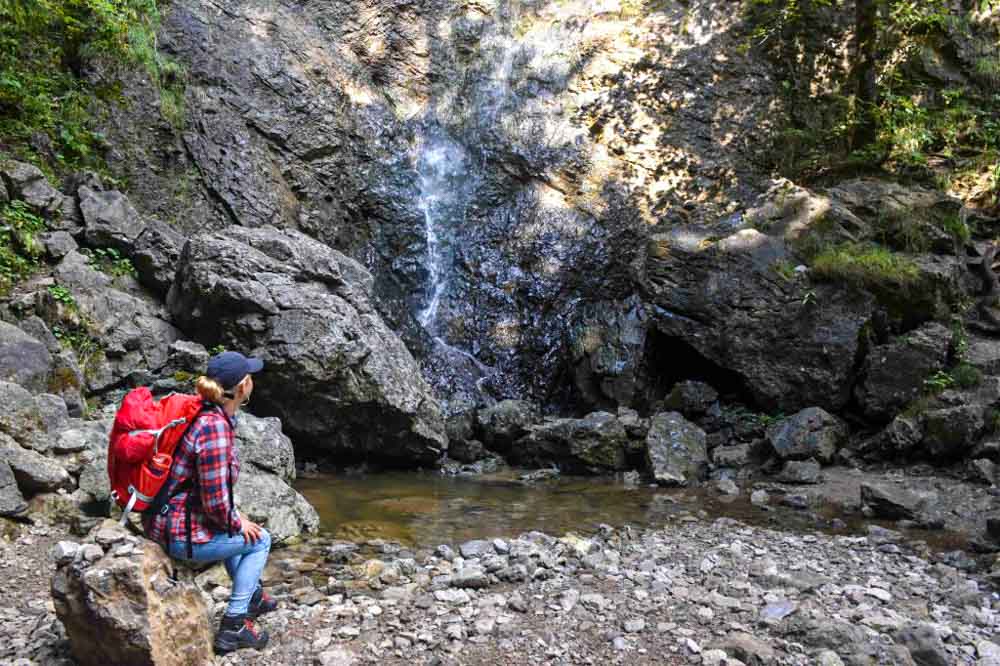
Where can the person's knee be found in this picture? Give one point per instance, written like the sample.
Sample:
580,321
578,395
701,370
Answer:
264,543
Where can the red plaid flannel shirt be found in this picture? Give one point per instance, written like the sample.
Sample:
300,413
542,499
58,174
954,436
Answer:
207,461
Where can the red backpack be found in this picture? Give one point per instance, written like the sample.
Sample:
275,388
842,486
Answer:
141,450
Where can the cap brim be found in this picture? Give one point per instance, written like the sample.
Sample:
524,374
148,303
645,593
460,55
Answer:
254,365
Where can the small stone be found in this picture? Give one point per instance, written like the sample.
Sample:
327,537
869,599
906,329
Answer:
829,658
452,596
475,549
445,553
348,632
501,546
91,552
64,552
759,498
517,603
635,626
568,599
619,643
336,657
727,487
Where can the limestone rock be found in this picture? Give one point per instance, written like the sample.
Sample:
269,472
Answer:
27,183
33,471
133,609
675,450
811,433
800,471
262,443
110,219
895,372
23,359
924,644
951,431
155,254
271,502
11,501
335,373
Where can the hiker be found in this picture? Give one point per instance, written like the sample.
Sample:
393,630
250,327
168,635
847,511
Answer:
200,522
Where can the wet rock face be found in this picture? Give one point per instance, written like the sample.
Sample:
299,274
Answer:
335,373
726,299
123,602
895,372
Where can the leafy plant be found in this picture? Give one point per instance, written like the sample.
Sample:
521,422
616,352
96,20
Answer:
111,261
938,382
62,295
19,248
217,349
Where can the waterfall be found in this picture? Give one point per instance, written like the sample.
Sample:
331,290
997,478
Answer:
442,167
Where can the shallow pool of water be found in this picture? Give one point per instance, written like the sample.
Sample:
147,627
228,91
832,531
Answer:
426,509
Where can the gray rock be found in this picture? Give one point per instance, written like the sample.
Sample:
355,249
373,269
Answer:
924,644
675,450
336,374
58,244
475,549
271,502
895,372
155,254
23,359
691,398
500,425
20,418
982,470
597,441
811,433
751,651
950,432
759,498
891,502
800,471
470,577
735,455
110,219
727,487
262,443
634,626
33,471
27,183
11,501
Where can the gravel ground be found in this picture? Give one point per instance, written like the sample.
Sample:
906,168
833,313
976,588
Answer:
691,592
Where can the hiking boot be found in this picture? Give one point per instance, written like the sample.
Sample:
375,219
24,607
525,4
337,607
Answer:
261,602
237,632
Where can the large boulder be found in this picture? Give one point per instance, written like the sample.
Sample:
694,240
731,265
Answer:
895,372
676,451
123,601
788,342
267,468
500,425
33,471
23,359
596,441
811,433
892,502
335,373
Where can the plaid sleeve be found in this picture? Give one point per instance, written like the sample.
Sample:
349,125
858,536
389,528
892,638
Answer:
215,455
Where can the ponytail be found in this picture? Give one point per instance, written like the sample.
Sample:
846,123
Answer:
210,390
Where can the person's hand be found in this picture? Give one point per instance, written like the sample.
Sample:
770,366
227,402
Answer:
251,530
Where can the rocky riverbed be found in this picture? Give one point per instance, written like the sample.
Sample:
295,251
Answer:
693,591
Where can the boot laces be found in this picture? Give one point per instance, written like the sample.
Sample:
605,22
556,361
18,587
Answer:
248,625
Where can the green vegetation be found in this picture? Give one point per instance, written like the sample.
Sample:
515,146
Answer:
938,382
993,421
62,295
111,261
20,251
217,349
910,123
865,265
47,108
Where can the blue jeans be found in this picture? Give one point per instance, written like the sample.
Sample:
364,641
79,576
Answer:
244,563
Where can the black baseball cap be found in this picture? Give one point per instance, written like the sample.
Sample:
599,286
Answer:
229,368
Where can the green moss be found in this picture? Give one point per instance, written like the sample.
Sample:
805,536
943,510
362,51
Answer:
183,376
20,251
865,265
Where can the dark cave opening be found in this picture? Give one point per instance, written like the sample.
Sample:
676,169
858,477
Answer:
668,360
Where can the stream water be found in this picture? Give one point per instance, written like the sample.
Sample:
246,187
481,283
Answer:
426,509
